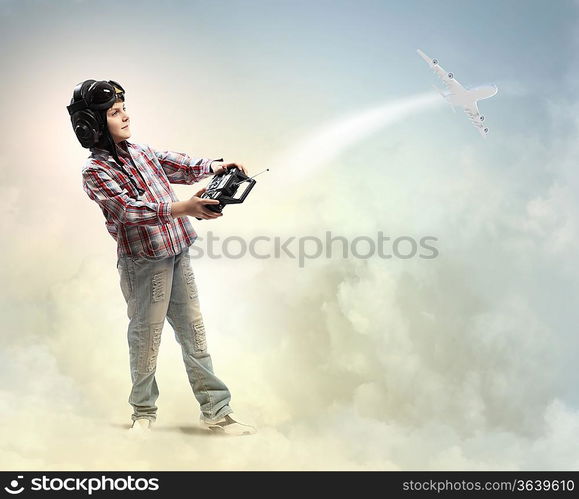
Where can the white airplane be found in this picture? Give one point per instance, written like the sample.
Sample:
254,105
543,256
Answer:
457,95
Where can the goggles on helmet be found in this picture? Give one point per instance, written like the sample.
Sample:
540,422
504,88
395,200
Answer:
100,96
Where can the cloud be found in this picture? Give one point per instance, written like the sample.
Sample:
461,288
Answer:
456,362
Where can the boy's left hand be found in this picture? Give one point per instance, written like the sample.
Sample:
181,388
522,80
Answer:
223,167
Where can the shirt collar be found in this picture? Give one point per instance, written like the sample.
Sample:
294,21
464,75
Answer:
122,151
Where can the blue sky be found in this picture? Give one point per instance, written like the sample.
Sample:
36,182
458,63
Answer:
345,53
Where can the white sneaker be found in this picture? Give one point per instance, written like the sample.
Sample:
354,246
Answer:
229,425
140,427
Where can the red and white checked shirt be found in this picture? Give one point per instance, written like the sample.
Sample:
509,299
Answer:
143,225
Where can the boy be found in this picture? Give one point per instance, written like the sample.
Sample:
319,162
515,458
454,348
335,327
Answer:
131,184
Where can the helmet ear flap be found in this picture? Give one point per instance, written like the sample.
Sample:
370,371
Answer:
87,127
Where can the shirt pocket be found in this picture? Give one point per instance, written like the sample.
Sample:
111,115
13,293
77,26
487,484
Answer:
127,185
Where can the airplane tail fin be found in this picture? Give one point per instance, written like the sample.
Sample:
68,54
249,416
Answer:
445,95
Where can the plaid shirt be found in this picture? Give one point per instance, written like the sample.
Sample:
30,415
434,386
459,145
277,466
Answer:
143,225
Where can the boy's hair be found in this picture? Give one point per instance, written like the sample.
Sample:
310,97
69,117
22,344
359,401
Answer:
105,139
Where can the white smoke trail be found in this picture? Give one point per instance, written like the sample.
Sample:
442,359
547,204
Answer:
331,140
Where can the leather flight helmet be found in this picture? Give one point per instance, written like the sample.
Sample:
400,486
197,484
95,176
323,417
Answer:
88,113
87,110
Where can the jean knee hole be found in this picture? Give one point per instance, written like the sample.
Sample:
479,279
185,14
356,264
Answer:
149,351
199,338
158,287
190,282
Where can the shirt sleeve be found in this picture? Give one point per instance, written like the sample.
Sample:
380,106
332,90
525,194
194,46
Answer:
181,168
115,201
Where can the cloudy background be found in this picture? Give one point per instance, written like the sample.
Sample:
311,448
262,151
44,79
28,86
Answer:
466,361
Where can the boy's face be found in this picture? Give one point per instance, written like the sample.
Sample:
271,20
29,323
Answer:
118,122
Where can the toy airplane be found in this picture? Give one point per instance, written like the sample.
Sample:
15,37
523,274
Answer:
457,95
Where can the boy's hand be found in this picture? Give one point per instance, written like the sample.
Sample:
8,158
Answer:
196,206
218,168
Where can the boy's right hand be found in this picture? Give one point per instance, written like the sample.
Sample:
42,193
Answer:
196,206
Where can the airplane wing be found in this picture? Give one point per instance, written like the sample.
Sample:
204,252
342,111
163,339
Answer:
447,78
476,118
456,93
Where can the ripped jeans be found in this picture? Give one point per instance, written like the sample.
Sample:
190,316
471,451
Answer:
153,290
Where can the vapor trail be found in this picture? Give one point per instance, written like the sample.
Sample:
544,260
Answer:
331,139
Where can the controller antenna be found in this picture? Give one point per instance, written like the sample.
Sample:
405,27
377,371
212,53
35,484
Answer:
249,178
266,170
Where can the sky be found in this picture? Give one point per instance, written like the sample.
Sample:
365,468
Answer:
461,361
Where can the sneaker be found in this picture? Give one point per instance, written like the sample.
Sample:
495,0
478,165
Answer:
229,425
140,427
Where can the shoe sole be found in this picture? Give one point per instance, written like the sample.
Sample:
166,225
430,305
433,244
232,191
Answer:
221,431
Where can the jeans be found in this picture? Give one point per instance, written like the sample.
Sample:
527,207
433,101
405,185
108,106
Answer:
155,289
